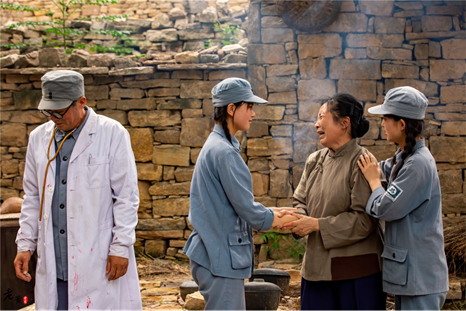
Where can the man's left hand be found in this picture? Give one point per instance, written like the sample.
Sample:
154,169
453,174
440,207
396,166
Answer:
116,267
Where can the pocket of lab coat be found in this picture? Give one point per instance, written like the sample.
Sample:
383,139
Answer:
98,172
105,236
395,265
240,250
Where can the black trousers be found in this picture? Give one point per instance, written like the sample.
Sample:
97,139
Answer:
357,294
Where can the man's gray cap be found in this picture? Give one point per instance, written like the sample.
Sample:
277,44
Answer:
234,90
60,88
403,101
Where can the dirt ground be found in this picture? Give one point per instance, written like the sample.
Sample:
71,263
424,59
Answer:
160,282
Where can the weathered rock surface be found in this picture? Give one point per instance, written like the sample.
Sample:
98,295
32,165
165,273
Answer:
171,155
27,99
257,147
355,69
315,45
313,68
154,118
266,54
171,207
448,149
164,35
280,184
452,94
194,301
452,49
348,22
379,40
166,188
13,134
197,89
141,143
364,90
8,61
443,70
101,60
52,57
78,58
194,131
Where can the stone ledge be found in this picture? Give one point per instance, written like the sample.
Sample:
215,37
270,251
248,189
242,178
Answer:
212,66
131,71
158,62
436,34
34,71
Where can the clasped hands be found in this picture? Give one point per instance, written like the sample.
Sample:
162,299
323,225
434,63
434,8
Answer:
300,224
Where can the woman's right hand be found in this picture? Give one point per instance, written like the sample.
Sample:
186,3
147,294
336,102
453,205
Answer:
371,170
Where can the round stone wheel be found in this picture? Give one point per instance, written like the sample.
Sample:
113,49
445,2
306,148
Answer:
310,15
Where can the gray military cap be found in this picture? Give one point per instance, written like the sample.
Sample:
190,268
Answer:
403,101
234,90
60,88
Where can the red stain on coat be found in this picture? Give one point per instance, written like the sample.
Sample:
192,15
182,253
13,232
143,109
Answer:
80,251
88,302
72,257
76,281
91,249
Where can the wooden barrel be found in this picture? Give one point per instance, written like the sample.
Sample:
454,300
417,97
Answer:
16,294
309,15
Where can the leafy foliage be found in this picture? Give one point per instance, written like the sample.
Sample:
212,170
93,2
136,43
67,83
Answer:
227,31
297,248
208,44
274,237
103,18
33,24
17,45
17,7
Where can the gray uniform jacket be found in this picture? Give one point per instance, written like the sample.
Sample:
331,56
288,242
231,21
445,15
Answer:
222,210
414,261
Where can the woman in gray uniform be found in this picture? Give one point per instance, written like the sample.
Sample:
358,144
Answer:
414,263
222,208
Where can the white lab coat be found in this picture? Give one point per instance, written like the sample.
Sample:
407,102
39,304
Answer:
102,203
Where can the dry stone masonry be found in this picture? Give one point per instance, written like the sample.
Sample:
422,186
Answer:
165,102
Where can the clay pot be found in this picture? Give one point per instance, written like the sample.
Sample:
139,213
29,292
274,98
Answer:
261,295
275,276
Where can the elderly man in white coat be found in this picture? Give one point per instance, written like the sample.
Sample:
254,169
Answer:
80,207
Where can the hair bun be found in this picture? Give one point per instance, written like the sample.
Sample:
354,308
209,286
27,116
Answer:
363,127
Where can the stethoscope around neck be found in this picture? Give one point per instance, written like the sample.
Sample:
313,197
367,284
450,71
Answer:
48,163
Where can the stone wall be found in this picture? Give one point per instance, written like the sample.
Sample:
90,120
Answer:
372,47
138,9
155,26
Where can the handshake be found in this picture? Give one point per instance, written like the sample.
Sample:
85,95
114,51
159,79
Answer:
299,224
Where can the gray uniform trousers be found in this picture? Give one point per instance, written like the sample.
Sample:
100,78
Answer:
424,302
219,293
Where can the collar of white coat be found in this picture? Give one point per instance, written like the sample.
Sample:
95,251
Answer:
219,130
419,144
